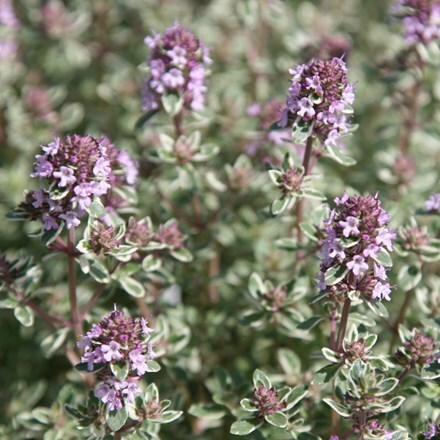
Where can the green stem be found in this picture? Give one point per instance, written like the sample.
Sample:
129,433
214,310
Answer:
299,211
71,276
343,324
400,318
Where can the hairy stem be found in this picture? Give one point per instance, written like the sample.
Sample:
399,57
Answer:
332,329
71,276
343,324
404,372
177,122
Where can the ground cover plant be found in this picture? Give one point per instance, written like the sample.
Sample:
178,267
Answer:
220,219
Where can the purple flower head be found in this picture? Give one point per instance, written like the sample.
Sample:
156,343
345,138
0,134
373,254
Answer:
431,430
118,339
177,65
320,96
113,392
76,170
356,244
420,19
7,14
433,203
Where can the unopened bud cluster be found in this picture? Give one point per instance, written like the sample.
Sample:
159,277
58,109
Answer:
267,401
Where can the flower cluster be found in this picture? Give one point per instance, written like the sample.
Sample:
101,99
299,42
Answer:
102,239
320,98
354,250
118,349
7,14
420,18
170,235
419,350
375,429
177,66
432,431
433,203
267,401
76,169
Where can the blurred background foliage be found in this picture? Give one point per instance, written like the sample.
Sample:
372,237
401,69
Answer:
75,69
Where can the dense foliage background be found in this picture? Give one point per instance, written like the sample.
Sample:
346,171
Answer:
76,67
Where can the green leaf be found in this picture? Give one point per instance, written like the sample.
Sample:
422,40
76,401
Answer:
301,131
99,272
145,118
289,361
275,176
248,405
132,287
335,274
277,419
24,315
288,244
243,427
207,151
383,258
150,263
50,236
172,104
336,154
378,308
357,370
309,323
54,341
325,374
309,230
313,194
168,416
295,396
152,366
430,371
82,367
116,419
279,205
152,393
182,254
96,209
341,410
208,411
387,386
256,286
252,318
120,369
409,277
391,405
330,355
73,412
260,378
